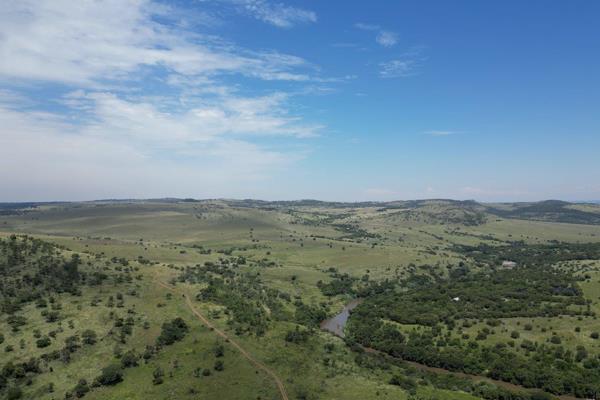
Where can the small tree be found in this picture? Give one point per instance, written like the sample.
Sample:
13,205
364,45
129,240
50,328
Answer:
129,359
43,342
81,389
157,376
89,337
110,375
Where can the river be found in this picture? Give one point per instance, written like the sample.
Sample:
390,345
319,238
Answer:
337,323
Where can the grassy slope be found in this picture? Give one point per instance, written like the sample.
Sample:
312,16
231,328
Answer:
169,231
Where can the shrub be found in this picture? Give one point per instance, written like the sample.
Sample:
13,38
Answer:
157,376
89,336
43,342
14,393
111,375
405,383
296,336
129,359
81,389
172,332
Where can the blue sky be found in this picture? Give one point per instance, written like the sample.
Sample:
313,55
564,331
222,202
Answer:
331,100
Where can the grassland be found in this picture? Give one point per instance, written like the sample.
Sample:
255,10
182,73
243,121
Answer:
291,247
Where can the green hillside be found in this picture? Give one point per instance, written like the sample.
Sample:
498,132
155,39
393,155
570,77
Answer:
223,299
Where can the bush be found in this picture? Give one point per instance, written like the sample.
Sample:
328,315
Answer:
43,342
81,389
172,332
14,393
296,336
219,350
405,383
157,376
594,335
219,366
89,336
110,375
129,359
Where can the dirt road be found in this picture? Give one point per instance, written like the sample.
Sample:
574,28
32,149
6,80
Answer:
222,334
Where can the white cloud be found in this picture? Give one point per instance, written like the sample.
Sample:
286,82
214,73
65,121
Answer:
224,116
278,14
387,38
384,37
399,68
93,42
121,153
367,27
150,110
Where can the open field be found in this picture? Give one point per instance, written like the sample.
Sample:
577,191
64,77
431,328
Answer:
260,270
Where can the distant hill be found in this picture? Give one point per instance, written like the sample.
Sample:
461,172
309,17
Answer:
550,210
442,211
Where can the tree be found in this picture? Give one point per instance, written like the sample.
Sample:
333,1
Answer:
14,393
157,376
172,332
89,337
43,342
219,350
129,359
111,375
219,366
81,388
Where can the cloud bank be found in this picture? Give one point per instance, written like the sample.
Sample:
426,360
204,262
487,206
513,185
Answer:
118,98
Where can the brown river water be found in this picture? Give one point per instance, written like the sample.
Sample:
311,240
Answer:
337,323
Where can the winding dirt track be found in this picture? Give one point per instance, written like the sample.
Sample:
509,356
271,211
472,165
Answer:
222,334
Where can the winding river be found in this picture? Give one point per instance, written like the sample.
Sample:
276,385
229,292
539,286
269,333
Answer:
337,323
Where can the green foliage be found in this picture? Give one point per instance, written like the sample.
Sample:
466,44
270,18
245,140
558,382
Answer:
43,342
535,290
297,335
405,383
158,376
243,294
172,332
111,375
81,388
31,268
521,292
309,315
340,284
129,359
89,337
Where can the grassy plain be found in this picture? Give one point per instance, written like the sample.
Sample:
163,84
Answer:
303,242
